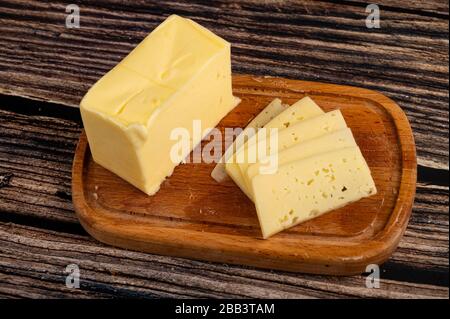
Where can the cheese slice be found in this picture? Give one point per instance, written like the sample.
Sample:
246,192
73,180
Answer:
268,113
293,134
179,73
310,187
327,143
303,109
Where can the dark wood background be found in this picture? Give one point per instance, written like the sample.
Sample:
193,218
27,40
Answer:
46,68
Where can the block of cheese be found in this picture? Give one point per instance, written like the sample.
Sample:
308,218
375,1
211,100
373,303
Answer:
301,110
326,143
268,113
310,187
293,134
179,73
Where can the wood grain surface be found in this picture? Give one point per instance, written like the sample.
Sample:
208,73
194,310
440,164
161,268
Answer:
406,59
195,217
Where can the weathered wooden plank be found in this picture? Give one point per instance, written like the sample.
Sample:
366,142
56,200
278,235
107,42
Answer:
407,58
42,256
36,149
417,6
25,285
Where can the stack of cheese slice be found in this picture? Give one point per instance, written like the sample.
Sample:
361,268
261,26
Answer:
270,111
319,167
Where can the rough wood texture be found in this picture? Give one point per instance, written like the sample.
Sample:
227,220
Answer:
192,216
327,41
31,256
37,145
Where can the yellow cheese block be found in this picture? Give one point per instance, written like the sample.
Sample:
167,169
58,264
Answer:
179,73
327,143
303,109
268,113
293,134
310,187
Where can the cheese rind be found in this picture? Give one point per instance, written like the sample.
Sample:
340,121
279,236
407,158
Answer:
268,113
310,187
301,110
181,72
324,144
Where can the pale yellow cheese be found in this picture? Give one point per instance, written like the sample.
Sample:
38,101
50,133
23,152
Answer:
268,113
310,187
179,73
327,143
293,134
303,109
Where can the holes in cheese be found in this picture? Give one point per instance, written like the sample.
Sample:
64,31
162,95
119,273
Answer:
302,109
275,115
300,132
330,142
299,195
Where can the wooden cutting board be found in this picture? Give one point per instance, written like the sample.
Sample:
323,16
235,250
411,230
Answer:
193,216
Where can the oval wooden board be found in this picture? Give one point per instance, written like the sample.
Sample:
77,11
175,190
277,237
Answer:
192,216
